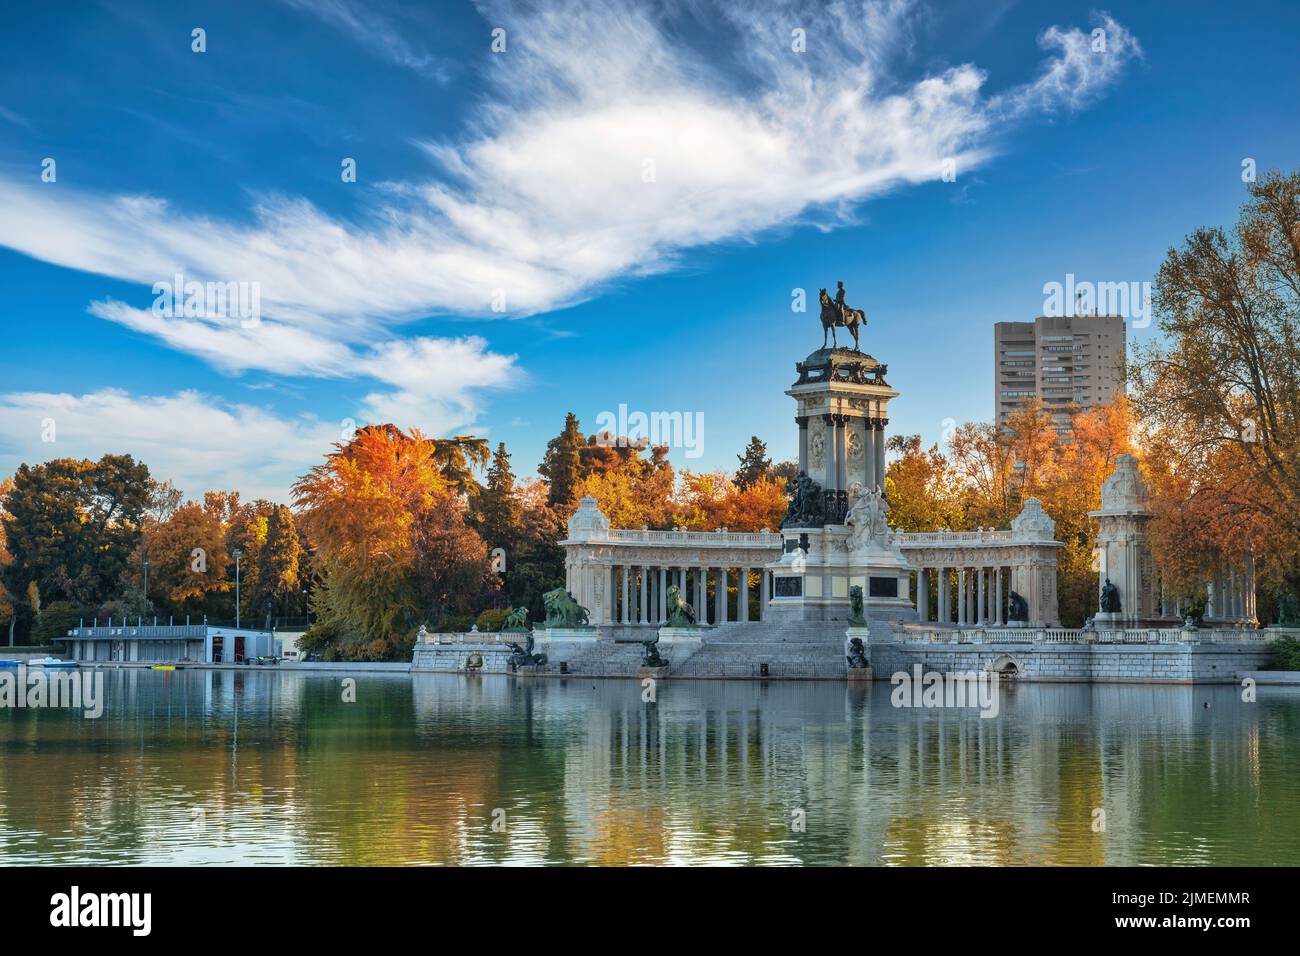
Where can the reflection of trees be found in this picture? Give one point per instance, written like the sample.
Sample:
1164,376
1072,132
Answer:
585,771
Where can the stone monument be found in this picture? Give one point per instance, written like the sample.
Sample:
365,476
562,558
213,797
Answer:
841,400
1124,552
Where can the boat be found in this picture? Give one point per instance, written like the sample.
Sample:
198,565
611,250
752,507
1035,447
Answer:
163,667
52,662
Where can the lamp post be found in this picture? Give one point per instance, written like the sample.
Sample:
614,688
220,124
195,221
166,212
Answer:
238,554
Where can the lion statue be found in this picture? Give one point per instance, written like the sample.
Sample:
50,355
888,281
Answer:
680,614
856,616
562,610
516,621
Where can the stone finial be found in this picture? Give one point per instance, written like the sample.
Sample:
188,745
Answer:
1033,523
588,522
1125,490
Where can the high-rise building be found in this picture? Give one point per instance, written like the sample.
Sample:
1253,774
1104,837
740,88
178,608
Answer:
1070,362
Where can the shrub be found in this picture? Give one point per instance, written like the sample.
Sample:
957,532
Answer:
1286,654
492,618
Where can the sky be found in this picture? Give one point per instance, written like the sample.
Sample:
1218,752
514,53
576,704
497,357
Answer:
474,218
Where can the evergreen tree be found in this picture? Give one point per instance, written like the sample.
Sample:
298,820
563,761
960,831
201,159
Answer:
562,466
496,510
754,463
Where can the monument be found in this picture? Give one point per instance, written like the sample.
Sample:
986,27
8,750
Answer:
835,534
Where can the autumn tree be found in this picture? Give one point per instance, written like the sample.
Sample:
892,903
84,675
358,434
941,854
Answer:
712,500
1219,395
383,519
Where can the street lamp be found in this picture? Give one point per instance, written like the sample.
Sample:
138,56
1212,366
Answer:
238,554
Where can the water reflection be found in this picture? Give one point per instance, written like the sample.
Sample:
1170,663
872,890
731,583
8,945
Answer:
192,767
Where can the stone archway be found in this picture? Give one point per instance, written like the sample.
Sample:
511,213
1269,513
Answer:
1006,667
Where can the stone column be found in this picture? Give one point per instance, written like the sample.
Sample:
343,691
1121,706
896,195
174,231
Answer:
627,604
663,596
981,602
922,596
841,452
961,597
763,595
802,422
997,604
880,454
869,477
701,596
941,617
645,594
720,595
742,595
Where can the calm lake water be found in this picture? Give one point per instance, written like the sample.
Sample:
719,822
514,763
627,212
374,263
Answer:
220,767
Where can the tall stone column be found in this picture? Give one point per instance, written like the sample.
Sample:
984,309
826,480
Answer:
880,453
764,594
645,594
961,597
870,480
841,453
721,595
663,595
742,592
944,601
802,422
922,596
981,601
627,603
997,604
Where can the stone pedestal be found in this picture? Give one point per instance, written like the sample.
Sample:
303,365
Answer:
1108,620
561,643
655,673
1017,624
860,673
679,643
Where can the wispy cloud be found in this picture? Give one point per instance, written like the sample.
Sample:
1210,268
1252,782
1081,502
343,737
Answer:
197,440
606,149
373,26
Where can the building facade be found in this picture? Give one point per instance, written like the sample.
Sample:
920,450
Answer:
167,643
1069,362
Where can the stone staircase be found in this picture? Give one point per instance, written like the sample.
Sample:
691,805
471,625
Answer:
803,649
809,650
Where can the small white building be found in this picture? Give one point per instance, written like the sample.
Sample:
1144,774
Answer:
170,643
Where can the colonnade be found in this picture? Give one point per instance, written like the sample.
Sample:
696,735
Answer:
639,593
967,597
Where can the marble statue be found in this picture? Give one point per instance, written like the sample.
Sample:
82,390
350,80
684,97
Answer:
869,519
680,614
856,616
839,313
1110,598
562,610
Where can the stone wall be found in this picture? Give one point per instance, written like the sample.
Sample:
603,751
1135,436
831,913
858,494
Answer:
1176,663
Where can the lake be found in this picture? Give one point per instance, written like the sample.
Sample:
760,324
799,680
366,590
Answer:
225,767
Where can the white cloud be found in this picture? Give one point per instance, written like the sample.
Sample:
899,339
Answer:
435,381
547,198
376,31
198,441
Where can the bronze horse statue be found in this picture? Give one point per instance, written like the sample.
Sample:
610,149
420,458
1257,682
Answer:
833,314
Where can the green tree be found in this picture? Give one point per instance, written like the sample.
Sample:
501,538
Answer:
562,466
496,510
457,458
73,525
754,463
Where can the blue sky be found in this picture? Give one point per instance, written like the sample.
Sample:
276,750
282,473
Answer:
636,188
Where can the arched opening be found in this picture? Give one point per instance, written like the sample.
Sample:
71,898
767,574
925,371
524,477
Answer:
1006,667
